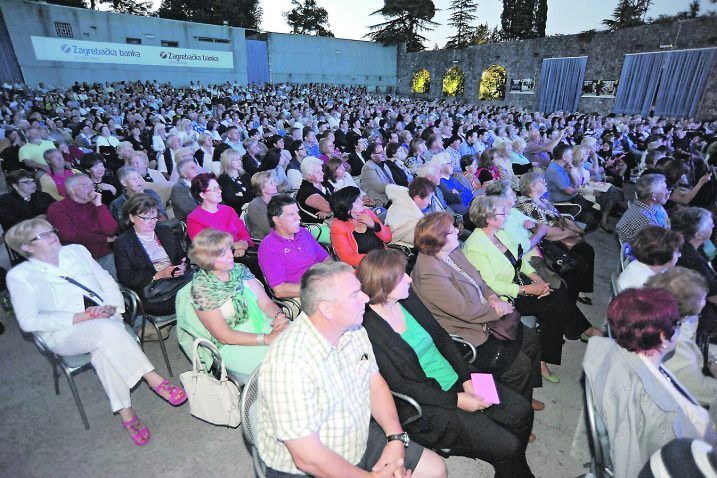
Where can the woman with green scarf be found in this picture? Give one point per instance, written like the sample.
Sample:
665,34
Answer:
230,306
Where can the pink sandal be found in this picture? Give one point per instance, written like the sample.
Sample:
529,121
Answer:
177,395
138,430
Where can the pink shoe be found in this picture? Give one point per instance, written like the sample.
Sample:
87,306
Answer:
177,395
138,431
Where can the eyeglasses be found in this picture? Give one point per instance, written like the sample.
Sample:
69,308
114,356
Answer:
214,190
43,235
148,219
27,181
500,214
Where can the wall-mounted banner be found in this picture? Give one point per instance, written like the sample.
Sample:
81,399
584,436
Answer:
67,49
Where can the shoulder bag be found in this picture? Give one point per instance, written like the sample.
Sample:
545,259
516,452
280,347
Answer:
214,401
162,290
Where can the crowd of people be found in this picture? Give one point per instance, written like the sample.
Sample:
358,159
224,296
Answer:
416,218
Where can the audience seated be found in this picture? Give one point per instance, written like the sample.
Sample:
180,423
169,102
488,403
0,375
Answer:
407,207
642,405
690,291
81,218
652,193
288,250
655,249
418,358
257,219
293,435
183,202
93,165
133,184
456,195
31,153
312,197
235,183
145,252
396,155
51,298
375,174
355,229
227,305
53,181
24,201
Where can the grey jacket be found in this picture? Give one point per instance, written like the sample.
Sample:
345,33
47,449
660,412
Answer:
639,413
182,200
374,180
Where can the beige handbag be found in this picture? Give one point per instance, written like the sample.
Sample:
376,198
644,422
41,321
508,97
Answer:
214,401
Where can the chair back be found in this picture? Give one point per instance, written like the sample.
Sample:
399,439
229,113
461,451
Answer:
597,436
625,257
249,395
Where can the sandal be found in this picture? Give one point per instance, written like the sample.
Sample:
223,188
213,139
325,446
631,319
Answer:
177,395
138,431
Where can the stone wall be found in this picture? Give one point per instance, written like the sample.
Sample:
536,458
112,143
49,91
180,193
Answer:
523,59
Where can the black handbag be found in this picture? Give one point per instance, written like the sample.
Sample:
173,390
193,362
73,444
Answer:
557,258
162,290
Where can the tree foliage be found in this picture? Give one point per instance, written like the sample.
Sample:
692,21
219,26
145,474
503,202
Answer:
421,82
492,83
133,7
628,13
237,13
454,82
406,19
693,11
308,19
522,19
462,15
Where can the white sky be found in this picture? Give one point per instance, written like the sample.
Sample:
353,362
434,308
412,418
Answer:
351,18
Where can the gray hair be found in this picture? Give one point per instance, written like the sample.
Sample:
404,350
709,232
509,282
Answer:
309,164
429,168
690,221
484,208
72,180
46,154
125,171
317,284
647,183
23,232
182,165
528,179
498,188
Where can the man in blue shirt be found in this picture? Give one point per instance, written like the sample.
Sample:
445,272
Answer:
561,188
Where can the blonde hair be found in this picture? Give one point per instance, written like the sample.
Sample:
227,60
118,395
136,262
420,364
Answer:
580,155
519,144
23,232
203,137
225,161
179,153
207,246
259,180
135,154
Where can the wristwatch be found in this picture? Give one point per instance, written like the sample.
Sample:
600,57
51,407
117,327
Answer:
400,437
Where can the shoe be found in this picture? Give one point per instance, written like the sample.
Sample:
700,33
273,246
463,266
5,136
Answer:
177,395
537,405
138,430
585,300
585,337
531,438
551,377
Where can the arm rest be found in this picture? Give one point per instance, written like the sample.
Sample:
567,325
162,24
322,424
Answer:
413,403
471,354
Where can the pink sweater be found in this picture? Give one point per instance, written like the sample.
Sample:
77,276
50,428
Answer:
225,219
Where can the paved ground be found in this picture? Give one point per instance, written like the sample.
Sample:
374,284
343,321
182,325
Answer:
42,434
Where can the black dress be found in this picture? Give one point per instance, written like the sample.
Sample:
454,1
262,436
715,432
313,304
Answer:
309,214
235,191
14,209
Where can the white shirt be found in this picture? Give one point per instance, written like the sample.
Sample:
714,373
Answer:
634,276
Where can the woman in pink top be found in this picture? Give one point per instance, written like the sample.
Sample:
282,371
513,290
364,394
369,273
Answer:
211,214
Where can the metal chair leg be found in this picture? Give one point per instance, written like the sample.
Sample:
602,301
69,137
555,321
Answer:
55,376
78,402
161,344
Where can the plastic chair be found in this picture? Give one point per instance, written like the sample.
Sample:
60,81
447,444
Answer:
135,309
249,395
600,465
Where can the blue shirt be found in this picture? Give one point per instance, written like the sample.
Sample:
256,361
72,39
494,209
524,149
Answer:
557,179
466,148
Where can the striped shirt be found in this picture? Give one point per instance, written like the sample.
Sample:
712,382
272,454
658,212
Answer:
307,385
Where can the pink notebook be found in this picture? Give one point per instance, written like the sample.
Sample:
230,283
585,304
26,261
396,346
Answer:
484,387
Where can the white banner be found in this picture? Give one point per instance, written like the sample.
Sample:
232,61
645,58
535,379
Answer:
67,49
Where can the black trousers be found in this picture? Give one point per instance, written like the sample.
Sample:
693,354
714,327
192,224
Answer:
498,435
583,279
515,363
557,314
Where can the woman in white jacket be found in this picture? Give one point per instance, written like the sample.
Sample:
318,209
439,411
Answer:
408,206
64,297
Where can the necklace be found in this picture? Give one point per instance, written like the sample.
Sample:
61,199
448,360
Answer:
145,238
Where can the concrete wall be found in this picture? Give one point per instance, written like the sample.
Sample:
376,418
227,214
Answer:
523,59
25,19
312,59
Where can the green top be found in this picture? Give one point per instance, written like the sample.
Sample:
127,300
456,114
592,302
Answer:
434,365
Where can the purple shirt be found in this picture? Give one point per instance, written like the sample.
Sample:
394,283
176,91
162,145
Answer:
535,155
285,260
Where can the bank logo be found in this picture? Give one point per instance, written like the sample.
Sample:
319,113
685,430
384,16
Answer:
66,48
163,55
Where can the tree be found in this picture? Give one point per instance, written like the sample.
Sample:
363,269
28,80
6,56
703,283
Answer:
406,19
237,13
693,11
461,18
308,19
522,19
133,7
628,13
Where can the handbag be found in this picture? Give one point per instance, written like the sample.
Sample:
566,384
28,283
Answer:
212,400
162,290
506,327
557,258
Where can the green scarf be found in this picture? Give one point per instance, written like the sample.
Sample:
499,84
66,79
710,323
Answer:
209,293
